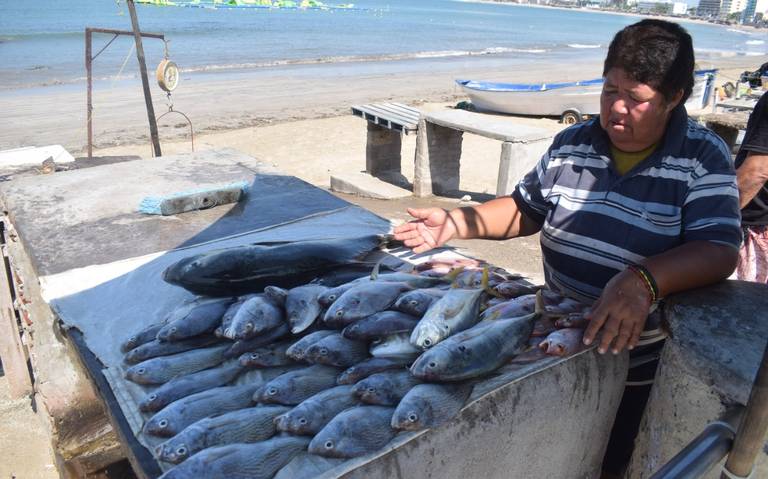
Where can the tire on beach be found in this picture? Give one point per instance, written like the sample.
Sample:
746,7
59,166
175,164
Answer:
571,117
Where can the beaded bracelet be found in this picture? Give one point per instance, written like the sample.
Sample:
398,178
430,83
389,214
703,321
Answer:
648,280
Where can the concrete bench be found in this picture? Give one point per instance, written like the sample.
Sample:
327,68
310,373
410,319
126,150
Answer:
438,149
387,122
726,125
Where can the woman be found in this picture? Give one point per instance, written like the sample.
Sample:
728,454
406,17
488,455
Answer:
631,206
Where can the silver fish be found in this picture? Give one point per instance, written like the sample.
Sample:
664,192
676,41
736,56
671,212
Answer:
294,387
267,356
430,405
370,366
354,432
309,417
302,307
299,349
363,300
229,315
386,388
141,337
476,351
380,324
513,308
156,348
417,302
394,346
173,418
188,385
563,342
255,317
164,368
307,466
515,287
203,316
336,350
251,424
260,460
454,312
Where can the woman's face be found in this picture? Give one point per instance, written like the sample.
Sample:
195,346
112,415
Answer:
632,113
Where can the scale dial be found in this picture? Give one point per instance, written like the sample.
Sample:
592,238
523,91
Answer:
167,75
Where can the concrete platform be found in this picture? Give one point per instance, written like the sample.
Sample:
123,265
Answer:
367,186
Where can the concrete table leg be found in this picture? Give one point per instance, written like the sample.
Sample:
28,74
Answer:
438,153
517,159
382,150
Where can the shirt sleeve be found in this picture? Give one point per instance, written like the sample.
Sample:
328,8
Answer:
711,208
528,194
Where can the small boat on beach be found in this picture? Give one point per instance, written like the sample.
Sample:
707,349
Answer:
570,101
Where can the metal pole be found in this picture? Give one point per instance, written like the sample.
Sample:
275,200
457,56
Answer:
751,434
89,107
144,80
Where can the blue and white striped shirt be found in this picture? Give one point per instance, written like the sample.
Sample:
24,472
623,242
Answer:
595,221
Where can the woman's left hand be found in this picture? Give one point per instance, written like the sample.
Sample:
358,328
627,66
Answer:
620,313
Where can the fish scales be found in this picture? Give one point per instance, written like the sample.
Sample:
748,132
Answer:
259,460
246,425
202,317
370,366
430,405
188,385
173,418
294,387
454,312
336,350
312,414
164,368
299,349
476,351
251,268
386,388
157,348
354,432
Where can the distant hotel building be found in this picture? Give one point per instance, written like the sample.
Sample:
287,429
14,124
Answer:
708,8
662,6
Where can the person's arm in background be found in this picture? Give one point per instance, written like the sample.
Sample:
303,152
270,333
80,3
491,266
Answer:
751,176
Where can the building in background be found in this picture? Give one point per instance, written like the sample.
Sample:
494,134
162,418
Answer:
708,8
661,7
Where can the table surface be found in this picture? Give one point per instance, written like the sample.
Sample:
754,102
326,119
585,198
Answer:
498,127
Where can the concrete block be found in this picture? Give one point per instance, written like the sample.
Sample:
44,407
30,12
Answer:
382,149
517,159
717,338
365,185
438,154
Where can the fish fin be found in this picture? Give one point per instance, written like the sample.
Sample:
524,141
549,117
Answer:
376,268
453,274
539,309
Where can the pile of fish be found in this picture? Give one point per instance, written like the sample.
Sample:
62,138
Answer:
287,378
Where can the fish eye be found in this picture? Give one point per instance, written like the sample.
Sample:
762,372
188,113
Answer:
432,364
255,355
173,329
445,326
152,397
427,342
413,417
248,326
328,444
413,302
272,391
462,348
371,390
323,351
339,313
182,451
163,423
141,370
302,421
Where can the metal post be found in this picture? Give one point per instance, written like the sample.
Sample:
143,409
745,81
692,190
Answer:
751,433
144,80
89,107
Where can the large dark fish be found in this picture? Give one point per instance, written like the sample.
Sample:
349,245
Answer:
156,348
164,368
188,385
355,432
251,268
298,350
260,460
173,418
371,366
476,351
386,388
251,424
309,417
380,324
294,387
336,350
430,405
203,316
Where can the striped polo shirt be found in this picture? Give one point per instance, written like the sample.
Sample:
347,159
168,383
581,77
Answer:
594,222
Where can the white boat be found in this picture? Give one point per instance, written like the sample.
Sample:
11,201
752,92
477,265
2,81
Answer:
570,101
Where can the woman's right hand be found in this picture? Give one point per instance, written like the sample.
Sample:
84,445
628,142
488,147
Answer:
432,227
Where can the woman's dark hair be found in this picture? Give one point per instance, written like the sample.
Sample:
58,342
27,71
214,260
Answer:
657,53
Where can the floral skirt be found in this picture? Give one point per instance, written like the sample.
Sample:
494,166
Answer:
753,255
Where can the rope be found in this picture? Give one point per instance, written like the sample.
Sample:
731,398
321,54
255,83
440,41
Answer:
127,57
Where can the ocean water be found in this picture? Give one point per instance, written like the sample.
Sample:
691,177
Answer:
42,42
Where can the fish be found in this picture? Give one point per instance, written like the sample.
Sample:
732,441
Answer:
454,312
418,301
259,460
354,432
143,336
573,320
302,307
276,294
268,356
380,324
157,348
543,326
370,366
252,424
299,349
294,387
477,278
188,385
476,351
327,297
312,414
202,316
515,287
363,300
336,350
386,388
512,308
246,345
396,345
175,417
164,368
250,268
229,315
563,342
430,405
255,317
307,466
